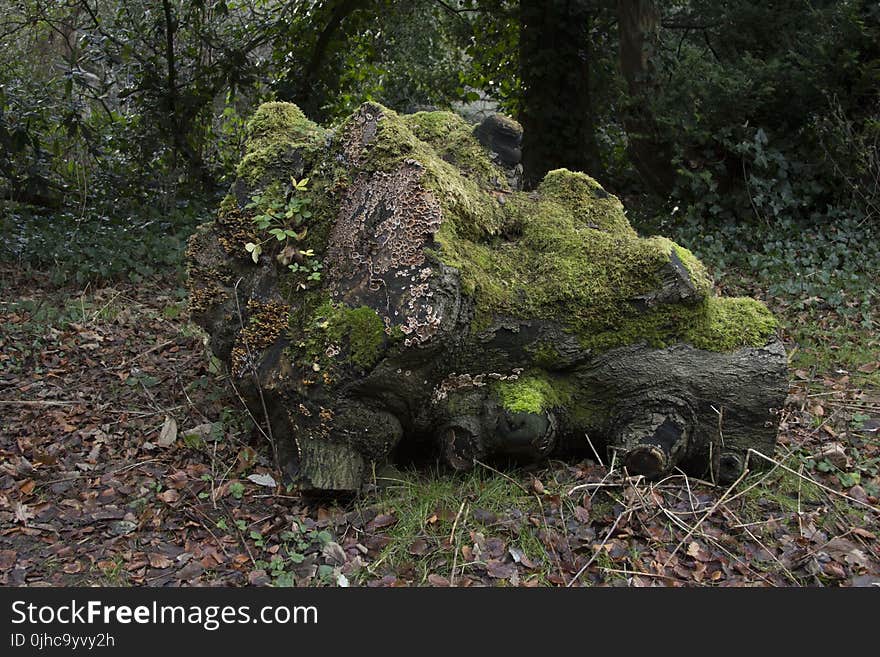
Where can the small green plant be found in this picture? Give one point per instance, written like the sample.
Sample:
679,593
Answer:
283,217
236,489
113,571
311,266
203,495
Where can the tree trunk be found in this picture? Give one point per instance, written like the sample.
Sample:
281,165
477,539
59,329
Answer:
557,112
639,22
180,119
308,86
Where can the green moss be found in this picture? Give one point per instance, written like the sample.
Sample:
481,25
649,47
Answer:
452,138
589,204
366,335
731,322
435,127
571,264
560,267
544,355
228,204
533,393
277,121
587,412
278,135
565,251
359,331
477,216
697,271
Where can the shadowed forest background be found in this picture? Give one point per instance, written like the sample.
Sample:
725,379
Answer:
746,131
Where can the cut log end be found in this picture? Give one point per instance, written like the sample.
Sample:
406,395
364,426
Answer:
646,460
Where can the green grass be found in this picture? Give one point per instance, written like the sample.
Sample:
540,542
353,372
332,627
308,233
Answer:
825,346
426,505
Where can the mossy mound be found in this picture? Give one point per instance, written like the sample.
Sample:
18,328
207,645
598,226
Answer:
278,135
565,251
534,393
386,279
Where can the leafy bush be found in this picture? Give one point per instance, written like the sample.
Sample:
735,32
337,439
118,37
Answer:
102,243
828,265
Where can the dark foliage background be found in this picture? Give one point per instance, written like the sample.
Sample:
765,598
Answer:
746,130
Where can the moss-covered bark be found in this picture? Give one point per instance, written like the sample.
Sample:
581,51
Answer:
423,297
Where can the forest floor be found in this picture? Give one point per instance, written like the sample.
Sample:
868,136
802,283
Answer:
127,459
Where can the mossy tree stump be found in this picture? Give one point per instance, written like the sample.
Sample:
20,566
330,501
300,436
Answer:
423,299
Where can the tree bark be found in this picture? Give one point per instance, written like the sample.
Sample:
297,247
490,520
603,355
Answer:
639,22
180,118
557,112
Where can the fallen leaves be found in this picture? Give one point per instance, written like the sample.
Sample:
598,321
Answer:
500,570
537,486
169,496
263,479
438,580
7,559
380,522
84,499
159,561
169,432
834,453
22,513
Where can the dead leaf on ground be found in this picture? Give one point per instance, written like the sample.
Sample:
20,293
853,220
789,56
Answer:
159,561
500,570
22,513
263,480
169,496
334,554
169,432
381,521
7,559
437,580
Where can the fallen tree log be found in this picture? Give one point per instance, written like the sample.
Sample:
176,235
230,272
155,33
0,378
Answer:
385,284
